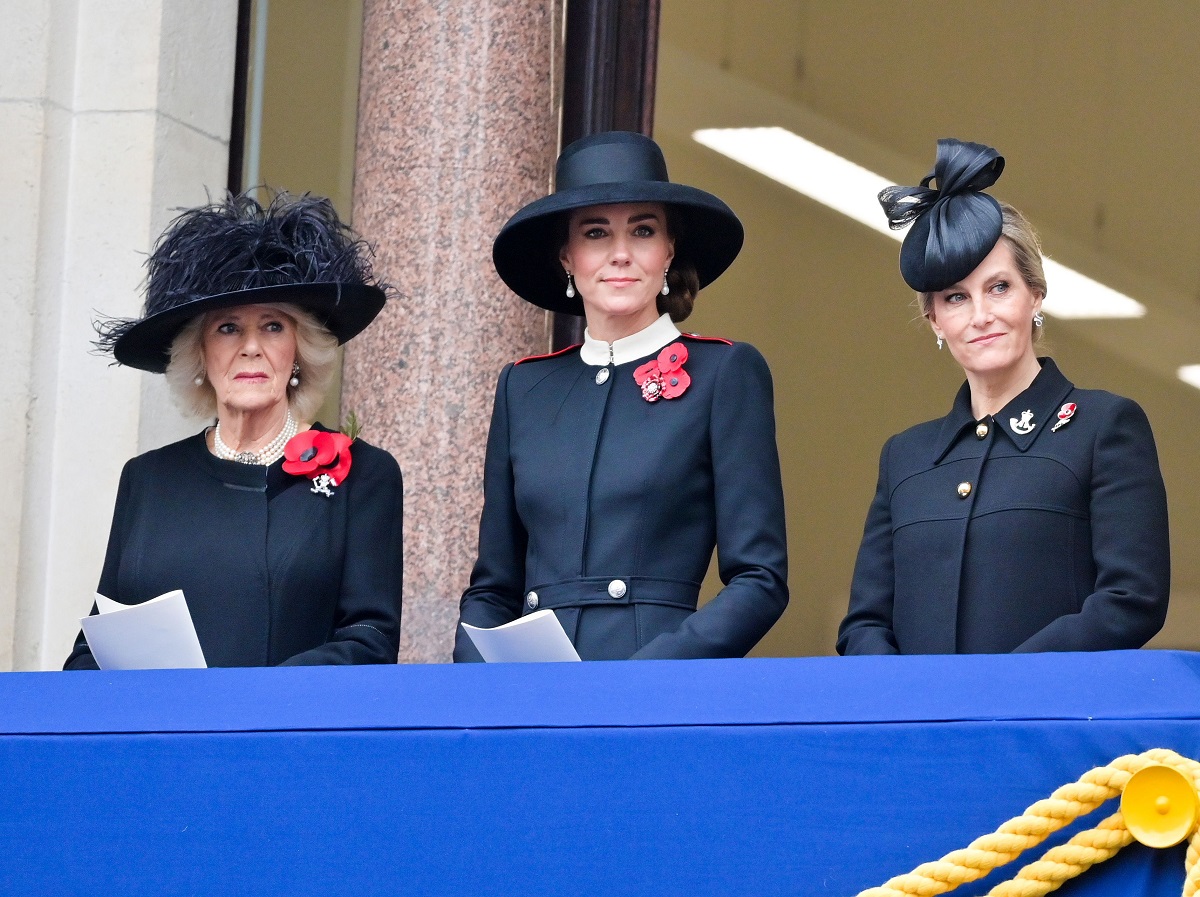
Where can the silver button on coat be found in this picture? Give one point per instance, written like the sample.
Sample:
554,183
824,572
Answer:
616,589
532,600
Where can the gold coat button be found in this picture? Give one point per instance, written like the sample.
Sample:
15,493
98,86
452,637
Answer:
981,430
964,489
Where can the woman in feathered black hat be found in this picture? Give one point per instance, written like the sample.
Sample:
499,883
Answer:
285,537
1033,516
613,468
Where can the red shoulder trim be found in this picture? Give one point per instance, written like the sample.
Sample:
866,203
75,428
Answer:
549,354
708,339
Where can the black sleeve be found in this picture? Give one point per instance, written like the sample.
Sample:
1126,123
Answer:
867,626
367,622
81,657
751,528
1130,545
498,579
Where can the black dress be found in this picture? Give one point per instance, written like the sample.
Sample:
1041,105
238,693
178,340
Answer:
273,573
1015,533
607,507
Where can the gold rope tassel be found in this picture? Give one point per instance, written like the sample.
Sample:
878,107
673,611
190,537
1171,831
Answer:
1038,822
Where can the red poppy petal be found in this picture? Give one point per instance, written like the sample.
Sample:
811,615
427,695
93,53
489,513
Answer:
301,468
675,384
338,472
299,444
672,357
646,372
326,449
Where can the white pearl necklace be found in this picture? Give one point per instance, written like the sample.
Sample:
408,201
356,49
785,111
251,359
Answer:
267,455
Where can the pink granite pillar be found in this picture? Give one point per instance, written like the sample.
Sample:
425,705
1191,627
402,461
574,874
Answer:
458,125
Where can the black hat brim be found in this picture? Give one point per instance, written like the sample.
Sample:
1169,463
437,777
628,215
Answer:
345,309
525,252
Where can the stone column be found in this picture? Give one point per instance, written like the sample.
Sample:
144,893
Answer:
458,127
112,114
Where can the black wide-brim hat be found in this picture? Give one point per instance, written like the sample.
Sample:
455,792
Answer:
345,309
235,252
606,169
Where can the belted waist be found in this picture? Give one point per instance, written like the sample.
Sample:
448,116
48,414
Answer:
613,591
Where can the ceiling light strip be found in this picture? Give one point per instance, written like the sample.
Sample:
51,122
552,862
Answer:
850,189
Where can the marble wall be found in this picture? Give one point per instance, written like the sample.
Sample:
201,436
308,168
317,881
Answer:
458,127
112,114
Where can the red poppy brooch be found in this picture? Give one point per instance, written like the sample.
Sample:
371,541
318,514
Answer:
664,377
321,456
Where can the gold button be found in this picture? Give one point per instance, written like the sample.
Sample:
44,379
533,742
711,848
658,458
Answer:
964,489
982,430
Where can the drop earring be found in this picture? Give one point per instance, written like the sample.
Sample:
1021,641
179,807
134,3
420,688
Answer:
199,381
1038,319
666,290
940,343
295,381
570,285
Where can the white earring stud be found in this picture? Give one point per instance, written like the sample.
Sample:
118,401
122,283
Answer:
199,381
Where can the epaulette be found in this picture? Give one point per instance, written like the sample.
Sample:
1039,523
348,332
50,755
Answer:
708,339
549,354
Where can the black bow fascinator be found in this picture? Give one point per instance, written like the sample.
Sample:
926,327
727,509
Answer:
955,224
236,252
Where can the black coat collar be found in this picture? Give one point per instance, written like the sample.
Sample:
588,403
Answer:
1042,398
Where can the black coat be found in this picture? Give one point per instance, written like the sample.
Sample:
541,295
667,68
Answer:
273,573
1059,543
606,507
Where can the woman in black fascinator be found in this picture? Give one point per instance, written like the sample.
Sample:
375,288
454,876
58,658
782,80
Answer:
1033,516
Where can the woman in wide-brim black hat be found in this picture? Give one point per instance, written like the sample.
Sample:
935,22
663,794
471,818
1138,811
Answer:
283,535
616,467
1033,516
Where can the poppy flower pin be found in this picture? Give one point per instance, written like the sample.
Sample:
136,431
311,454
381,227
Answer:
321,456
664,377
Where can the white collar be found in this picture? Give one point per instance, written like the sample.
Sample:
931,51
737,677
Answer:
644,342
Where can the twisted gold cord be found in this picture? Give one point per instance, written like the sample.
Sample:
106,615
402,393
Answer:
1038,822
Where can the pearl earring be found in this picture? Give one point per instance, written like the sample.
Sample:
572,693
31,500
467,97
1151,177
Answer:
295,381
939,343
199,381
570,285
666,290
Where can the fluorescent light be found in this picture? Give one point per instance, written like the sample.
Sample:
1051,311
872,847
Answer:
805,167
1070,294
850,189
1190,374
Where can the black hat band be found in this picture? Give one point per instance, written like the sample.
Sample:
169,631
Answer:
609,163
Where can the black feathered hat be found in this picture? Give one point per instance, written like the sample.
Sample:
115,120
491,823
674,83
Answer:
235,252
955,225
603,169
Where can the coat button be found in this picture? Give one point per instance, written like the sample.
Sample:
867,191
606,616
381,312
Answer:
982,430
532,600
964,489
616,589
601,376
